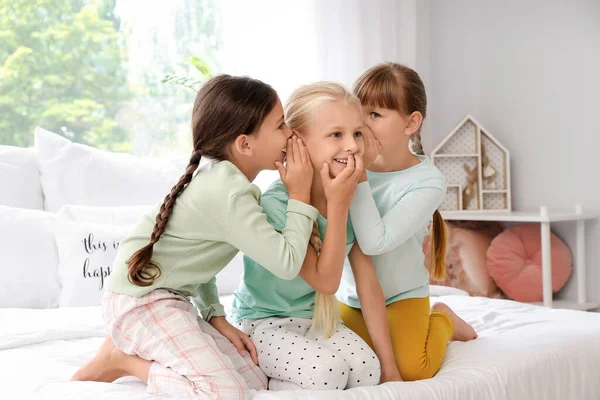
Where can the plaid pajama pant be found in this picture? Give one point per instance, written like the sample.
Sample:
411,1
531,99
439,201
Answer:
191,358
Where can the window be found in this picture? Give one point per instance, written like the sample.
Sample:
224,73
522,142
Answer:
94,70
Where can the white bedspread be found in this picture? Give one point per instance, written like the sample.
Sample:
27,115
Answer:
523,352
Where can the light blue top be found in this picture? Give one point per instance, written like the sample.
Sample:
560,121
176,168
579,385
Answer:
262,294
390,215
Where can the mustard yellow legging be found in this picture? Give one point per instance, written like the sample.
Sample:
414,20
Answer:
419,336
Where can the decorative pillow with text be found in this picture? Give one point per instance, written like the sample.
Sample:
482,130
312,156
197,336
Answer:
86,253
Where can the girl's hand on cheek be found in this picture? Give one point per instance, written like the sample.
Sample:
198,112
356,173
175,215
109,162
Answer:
297,174
372,150
340,190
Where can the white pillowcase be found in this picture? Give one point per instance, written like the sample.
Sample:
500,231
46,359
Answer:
112,219
20,178
76,174
28,259
128,215
86,253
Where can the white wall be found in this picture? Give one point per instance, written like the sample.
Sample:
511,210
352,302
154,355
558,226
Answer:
529,71
423,63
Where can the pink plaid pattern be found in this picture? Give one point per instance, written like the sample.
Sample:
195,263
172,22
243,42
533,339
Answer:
191,358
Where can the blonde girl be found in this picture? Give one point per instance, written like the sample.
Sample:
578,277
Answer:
295,324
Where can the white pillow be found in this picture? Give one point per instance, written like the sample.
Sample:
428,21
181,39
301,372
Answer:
28,259
20,178
86,253
77,174
127,215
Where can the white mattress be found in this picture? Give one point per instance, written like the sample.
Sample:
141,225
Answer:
523,352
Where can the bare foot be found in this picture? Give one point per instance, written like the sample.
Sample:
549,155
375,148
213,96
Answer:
104,367
463,332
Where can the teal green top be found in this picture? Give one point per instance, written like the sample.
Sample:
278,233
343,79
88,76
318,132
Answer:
218,214
391,214
262,294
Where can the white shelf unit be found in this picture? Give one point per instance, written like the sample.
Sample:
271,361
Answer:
457,155
464,148
544,218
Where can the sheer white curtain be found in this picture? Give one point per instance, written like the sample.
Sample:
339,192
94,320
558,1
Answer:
353,35
289,43
272,40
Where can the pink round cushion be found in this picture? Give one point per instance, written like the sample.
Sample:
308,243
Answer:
514,260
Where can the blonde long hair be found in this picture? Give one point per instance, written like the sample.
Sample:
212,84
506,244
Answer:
398,87
299,114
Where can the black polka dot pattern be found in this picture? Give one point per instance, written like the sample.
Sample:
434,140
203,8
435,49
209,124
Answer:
314,359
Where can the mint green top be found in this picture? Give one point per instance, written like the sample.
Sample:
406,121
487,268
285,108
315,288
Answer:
218,214
261,293
390,215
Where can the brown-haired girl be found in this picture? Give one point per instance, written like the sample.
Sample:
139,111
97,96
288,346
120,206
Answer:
390,214
174,252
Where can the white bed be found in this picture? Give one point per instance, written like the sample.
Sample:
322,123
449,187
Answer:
523,352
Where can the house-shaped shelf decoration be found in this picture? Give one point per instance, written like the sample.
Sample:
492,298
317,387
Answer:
477,168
